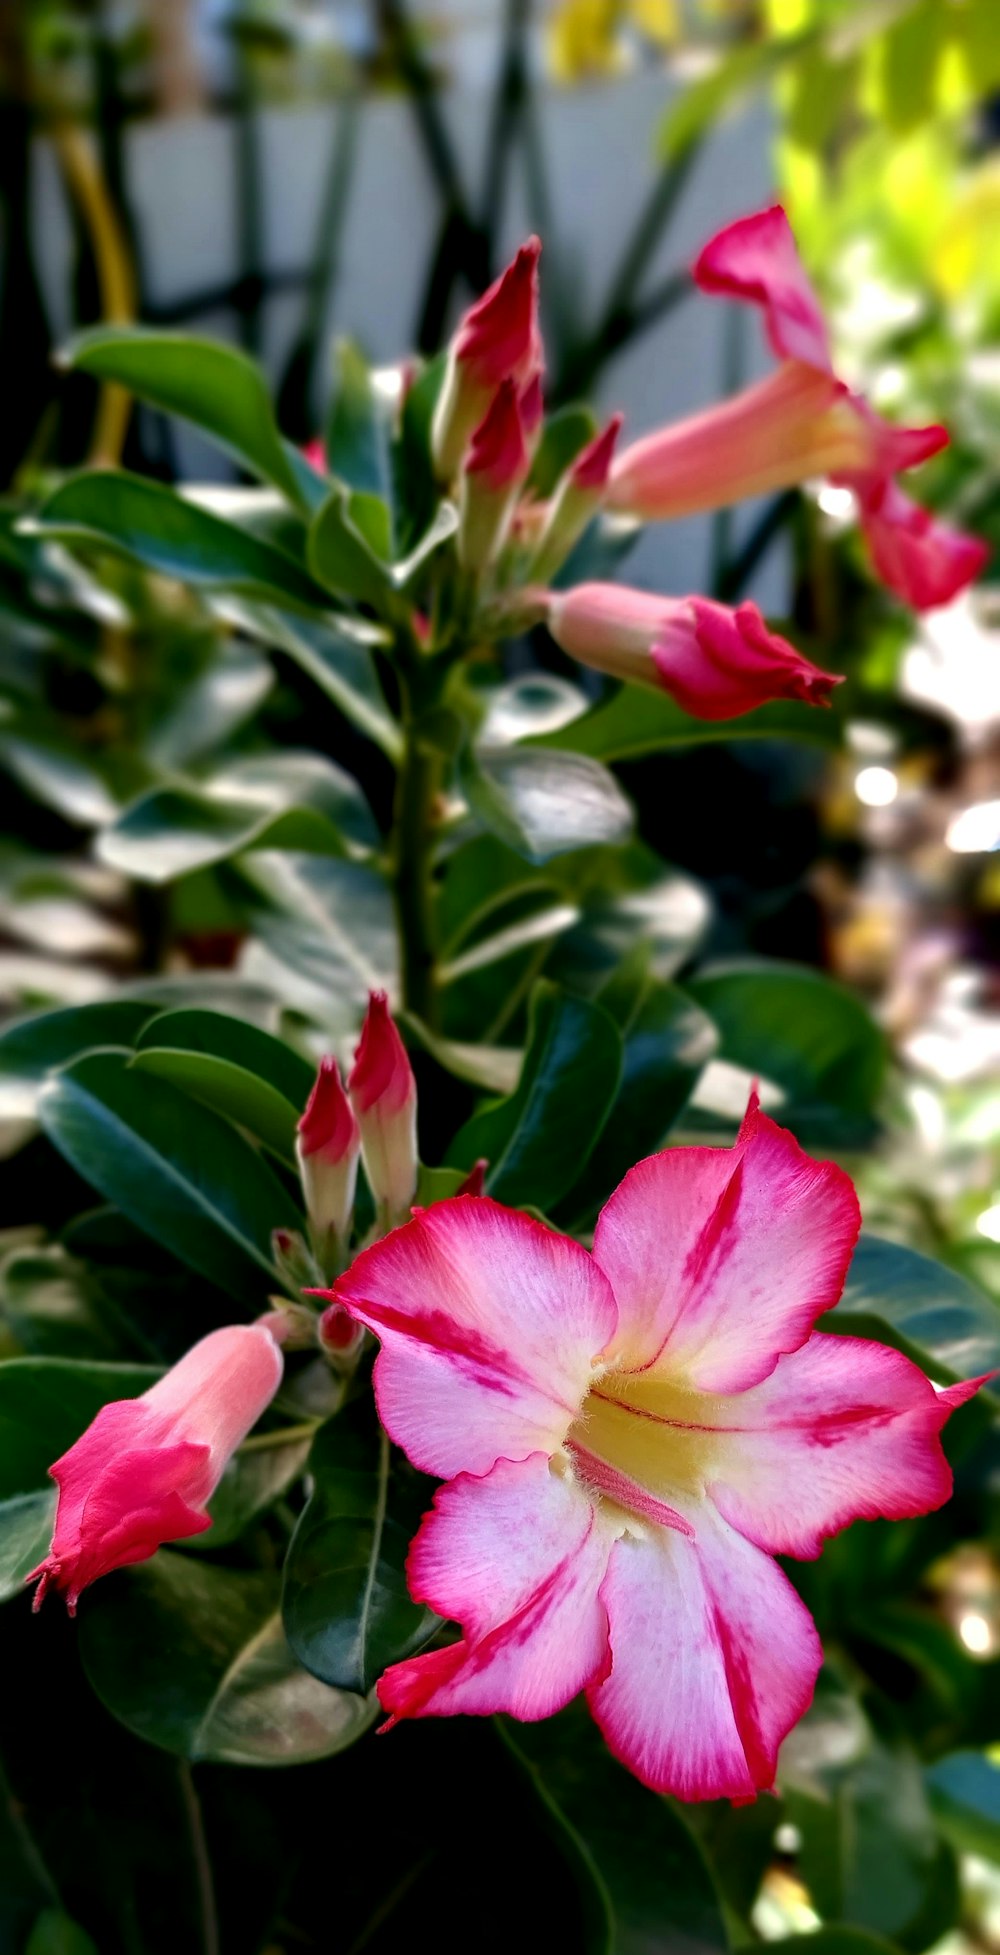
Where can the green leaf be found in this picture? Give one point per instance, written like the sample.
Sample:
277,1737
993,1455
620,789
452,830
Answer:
287,800
189,1029
243,1098
26,1523
32,1047
964,1791
736,75
640,720
193,1658
539,1139
565,432
544,804
341,556
346,1607
215,386
180,1173
808,1034
358,435
668,1041
85,789
338,662
255,1477
54,1933
417,494
110,509
45,1404
931,1312
657,1888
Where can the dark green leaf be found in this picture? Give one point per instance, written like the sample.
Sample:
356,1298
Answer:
193,1658
289,800
640,720
566,431
25,1532
33,1047
341,556
189,1029
359,428
935,1315
346,1608
800,1029
180,1173
45,1404
231,1090
336,660
107,508
215,386
539,1139
544,804
256,1476
55,1934
965,1798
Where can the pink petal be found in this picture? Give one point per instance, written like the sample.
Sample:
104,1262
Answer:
757,259
489,1325
842,1430
721,1260
518,1559
925,561
713,1659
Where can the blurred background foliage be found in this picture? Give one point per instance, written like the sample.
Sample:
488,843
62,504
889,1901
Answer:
822,911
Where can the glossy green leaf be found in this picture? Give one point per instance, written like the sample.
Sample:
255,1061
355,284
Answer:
631,903
799,1028
110,509
295,801
667,1042
45,1404
341,556
190,1029
84,788
640,720
539,1139
32,1047
543,804
54,1933
347,1611
179,1172
338,662
565,432
328,933
193,1658
255,1477
964,1791
932,1312
658,1890
358,433
231,1090
215,386
26,1523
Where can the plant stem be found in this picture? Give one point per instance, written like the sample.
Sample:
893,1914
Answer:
417,785
202,1863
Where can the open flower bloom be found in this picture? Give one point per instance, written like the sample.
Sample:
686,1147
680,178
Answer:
143,1470
628,1437
798,423
497,339
716,662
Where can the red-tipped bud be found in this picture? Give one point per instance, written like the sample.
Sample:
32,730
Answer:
475,1180
292,1260
716,662
328,1146
497,340
577,499
496,465
144,1469
340,1337
384,1097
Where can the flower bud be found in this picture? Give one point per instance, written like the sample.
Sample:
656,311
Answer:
384,1097
716,662
293,1260
497,463
340,1336
497,339
475,1180
577,499
144,1469
327,1147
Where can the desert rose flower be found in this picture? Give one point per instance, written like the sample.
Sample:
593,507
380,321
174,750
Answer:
628,1437
328,1145
498,339
927,561
384,1097
495,468
800,422
716,662
144,1469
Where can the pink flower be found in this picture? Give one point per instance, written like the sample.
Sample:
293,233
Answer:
925,560
800,422
629,1437
498,339
384,1097
144,1469
716,663
328,1146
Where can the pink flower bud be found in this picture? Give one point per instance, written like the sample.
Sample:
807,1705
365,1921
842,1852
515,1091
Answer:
496,465
716,662
475,1180
384,1096
497,340
144,1469
328,1146
340,1337
577,499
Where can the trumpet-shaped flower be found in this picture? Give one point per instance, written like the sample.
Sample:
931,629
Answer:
628,1437
716,662
143,1470
800,422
